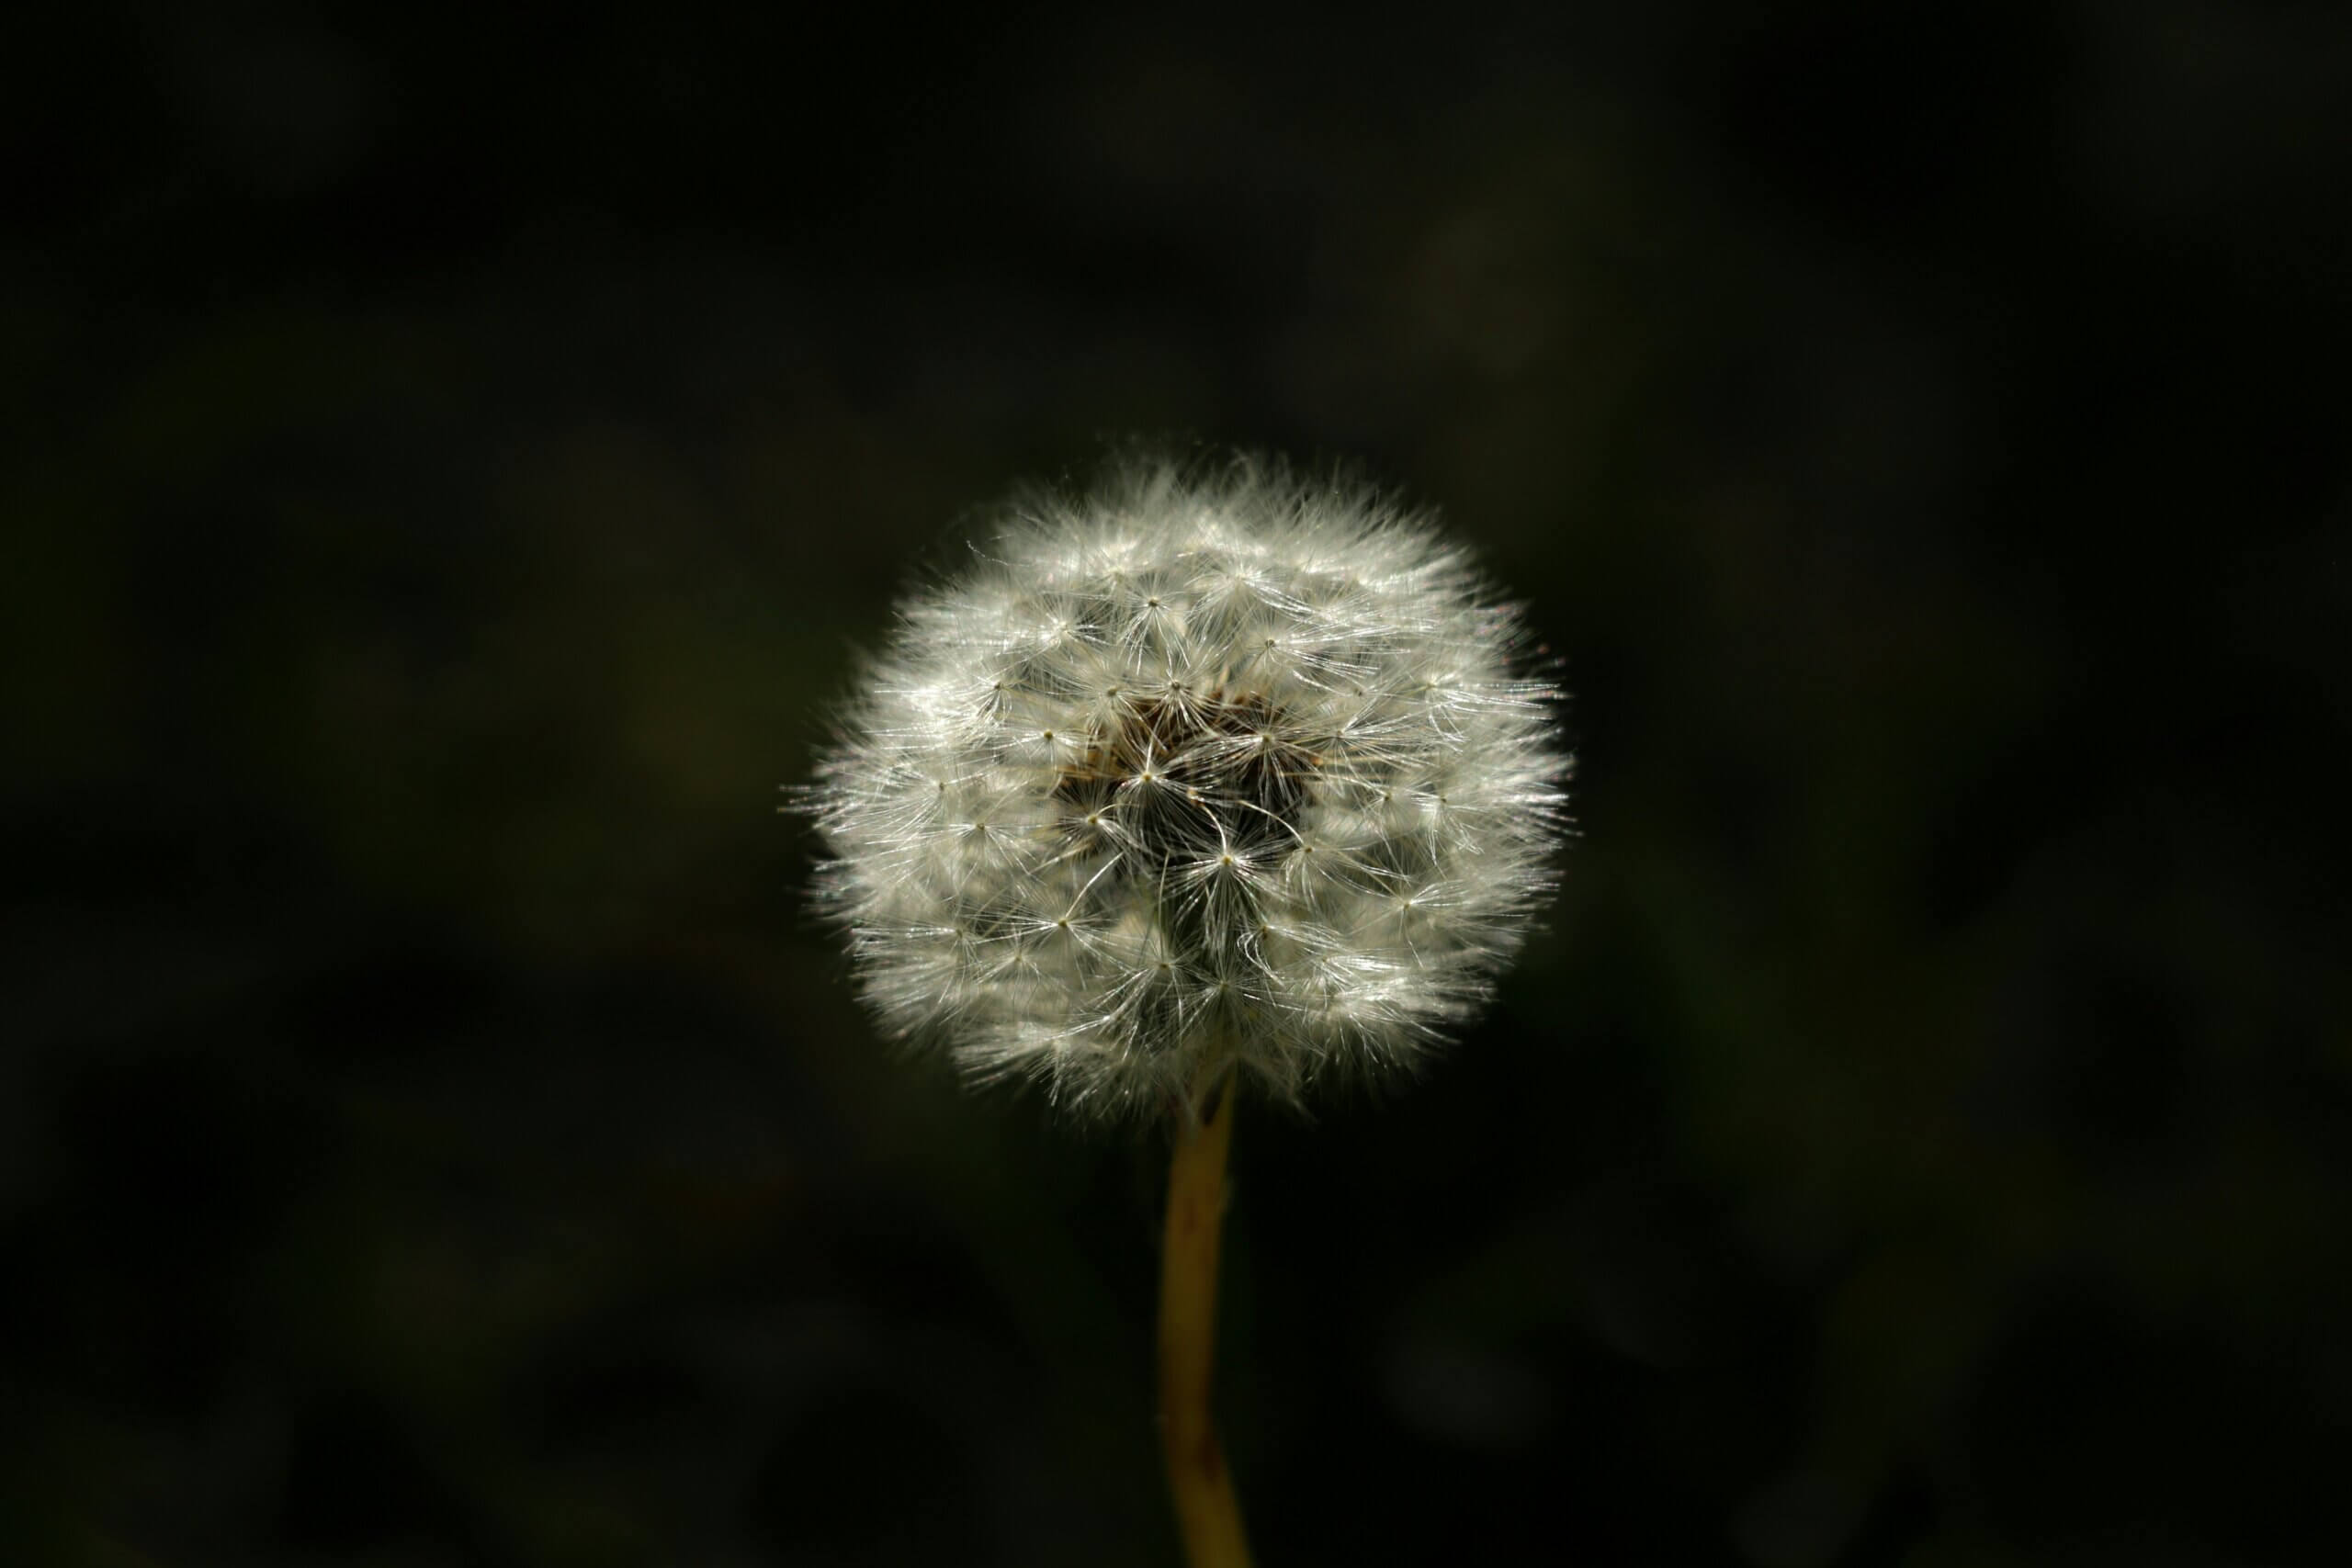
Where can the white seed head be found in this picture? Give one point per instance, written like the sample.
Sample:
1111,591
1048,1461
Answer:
1203,766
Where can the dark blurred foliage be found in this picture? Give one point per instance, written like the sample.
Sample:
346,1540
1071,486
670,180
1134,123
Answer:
447,458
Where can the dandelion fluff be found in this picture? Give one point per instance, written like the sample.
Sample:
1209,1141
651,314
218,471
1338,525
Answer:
1201,765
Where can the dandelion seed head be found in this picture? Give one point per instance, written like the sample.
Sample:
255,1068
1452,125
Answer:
1195,765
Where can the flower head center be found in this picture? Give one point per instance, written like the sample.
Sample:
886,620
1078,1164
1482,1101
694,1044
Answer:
1236,788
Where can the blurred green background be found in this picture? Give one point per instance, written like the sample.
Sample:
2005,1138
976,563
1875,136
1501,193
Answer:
446,458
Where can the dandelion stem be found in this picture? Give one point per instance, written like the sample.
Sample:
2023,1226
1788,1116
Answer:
1203,1486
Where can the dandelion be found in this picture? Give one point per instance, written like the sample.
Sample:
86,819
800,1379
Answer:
1203,778
1199,771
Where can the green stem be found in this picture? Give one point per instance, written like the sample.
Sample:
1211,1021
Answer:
1202,1485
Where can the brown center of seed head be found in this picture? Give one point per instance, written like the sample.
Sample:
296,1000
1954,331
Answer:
1189,772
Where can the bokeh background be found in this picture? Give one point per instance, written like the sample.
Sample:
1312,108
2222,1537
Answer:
448,456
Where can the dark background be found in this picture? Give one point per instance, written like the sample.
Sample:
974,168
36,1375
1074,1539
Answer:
446,458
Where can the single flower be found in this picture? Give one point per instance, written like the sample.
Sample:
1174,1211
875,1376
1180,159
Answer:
1204,771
